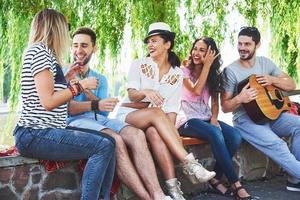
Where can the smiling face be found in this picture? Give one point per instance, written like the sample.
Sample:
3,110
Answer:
198,52
157,46
246,47
82,48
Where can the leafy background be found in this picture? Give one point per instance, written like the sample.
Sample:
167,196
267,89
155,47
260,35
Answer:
111,19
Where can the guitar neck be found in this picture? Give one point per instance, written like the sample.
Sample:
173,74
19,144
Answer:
291,93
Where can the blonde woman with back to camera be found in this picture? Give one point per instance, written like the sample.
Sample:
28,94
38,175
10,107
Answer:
41,132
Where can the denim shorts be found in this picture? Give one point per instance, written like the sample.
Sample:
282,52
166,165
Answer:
87,121
123,112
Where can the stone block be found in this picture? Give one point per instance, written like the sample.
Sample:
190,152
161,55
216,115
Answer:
36,178
31,193
6,174
21,177
36,168
13,161
273,169
60,179
74,195
201,152
7,194
125,194
253,163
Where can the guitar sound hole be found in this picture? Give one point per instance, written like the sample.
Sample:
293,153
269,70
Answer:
278,95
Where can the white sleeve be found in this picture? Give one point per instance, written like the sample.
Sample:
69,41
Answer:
134,76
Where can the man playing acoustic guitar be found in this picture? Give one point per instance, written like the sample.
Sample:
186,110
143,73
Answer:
265,137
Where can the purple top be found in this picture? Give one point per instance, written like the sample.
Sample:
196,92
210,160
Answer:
191,105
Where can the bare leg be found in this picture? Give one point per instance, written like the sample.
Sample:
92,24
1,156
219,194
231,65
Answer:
125,169
157,118
135,140
161,153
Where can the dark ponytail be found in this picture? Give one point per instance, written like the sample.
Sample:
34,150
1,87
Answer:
173,59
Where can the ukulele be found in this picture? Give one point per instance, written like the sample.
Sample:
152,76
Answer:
270,101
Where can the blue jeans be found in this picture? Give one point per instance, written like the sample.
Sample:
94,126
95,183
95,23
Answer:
224,144
73,144
267,139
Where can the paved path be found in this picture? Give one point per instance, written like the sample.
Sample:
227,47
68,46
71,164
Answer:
273,189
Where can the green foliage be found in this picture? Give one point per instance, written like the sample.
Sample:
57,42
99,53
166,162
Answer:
6,82
190,19
249,10
283,18
286,43
1,81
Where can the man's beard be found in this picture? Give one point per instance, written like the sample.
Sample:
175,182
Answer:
250,55
85,61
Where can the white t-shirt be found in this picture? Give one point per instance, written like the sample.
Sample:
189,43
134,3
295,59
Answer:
236,73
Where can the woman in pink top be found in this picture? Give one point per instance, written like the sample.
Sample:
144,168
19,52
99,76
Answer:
202,80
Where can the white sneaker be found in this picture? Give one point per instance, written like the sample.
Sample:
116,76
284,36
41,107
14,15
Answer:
294,187
195,171
173,186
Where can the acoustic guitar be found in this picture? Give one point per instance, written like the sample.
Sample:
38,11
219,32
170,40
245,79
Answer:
270,102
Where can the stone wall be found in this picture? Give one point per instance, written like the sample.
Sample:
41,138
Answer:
25,179
249,164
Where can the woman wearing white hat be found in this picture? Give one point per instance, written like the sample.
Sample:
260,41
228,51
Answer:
154,85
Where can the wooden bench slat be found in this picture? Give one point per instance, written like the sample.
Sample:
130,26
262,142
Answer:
192,141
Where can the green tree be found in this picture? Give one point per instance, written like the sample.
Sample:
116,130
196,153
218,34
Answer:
188,18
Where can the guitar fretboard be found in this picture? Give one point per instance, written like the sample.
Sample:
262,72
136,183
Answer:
291,93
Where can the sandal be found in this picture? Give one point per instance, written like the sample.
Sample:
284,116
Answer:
238,197
214,186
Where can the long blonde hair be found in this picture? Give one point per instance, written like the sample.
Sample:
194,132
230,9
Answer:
51,28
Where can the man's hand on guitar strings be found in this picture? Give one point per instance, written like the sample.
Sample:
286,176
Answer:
247,94
264,80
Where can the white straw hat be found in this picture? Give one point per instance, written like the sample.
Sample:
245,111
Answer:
160,28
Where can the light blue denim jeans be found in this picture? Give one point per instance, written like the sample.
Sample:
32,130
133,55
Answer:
267,139
73,144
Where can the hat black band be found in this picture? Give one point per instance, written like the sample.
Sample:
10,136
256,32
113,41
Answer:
170,34
159,31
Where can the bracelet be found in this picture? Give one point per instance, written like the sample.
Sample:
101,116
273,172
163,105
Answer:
95,105
79,87
74,93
